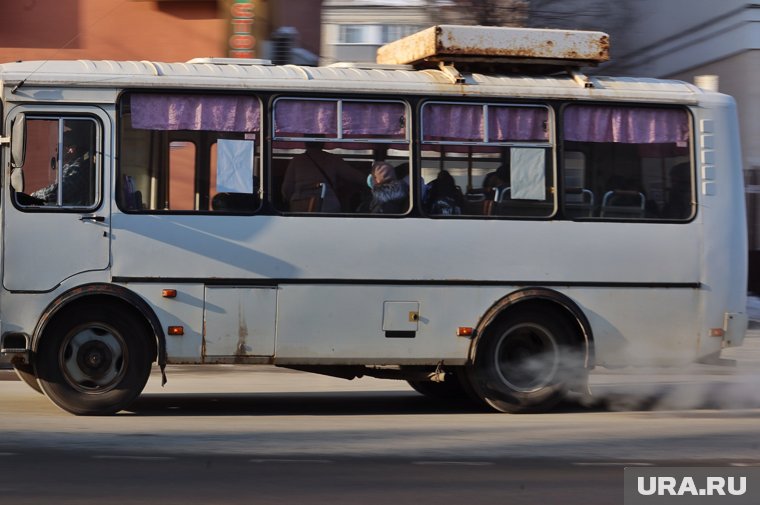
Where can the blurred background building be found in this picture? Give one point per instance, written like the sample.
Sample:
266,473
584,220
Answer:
678,39
159,30
352,30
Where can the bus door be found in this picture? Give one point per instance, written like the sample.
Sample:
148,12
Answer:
57,205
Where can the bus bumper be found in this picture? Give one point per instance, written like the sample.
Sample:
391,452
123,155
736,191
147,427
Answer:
14,349
734,328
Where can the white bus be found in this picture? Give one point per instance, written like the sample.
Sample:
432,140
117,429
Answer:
548,224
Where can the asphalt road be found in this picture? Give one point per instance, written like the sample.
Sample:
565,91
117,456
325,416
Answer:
232,435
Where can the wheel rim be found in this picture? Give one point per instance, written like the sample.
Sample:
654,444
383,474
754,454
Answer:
93,358
527,357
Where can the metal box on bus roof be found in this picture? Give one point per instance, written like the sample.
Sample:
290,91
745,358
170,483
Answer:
490,44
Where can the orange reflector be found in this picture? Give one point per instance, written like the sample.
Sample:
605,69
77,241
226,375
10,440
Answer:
169,293
176,330
717,332
464,331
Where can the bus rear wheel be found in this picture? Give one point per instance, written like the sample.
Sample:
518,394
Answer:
94,360
525,362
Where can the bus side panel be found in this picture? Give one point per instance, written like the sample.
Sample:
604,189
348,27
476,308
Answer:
260,249
638,327
344,324
356,324
185,310
334,281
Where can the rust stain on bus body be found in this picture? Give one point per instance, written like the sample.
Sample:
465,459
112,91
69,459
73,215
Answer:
570,48
241,349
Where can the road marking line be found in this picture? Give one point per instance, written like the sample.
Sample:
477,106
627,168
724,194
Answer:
135,458
462,463
7,454
280,460
611,463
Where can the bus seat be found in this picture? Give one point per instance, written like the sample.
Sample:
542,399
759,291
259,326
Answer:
311,203
235,202
477,204
579,202
623,203
138,200
505,205
131,198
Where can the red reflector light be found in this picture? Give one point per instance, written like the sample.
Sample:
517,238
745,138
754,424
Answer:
169,293
717,332
464,331
176,330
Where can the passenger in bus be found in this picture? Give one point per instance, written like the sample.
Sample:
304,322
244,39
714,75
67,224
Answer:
494,180
76,176
679,203
404,174
443,196
389,195
318,176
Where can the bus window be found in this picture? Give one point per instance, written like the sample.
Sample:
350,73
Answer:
59,170
627,163
487,160
195,153
323,152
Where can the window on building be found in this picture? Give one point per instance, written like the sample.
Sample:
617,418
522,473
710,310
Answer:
374,34
355,34
395,32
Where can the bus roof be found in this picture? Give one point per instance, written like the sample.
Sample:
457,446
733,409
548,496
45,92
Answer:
367,78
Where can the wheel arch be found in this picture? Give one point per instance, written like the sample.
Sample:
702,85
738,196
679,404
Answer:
104,293
545,298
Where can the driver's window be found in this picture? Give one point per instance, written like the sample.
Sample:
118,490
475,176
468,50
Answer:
59,169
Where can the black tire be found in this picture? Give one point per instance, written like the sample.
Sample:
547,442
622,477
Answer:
525,362
94,360
26,374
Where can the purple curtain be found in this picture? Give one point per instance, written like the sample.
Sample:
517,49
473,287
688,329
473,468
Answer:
626,125
195,112
526,124
310,118
306,118
457,122
376,120
452,122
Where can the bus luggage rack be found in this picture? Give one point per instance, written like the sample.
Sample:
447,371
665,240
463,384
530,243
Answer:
487,46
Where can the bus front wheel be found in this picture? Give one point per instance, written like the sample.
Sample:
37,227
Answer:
94,360
525,362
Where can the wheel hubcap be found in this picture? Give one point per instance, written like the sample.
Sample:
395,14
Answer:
93,358
527,357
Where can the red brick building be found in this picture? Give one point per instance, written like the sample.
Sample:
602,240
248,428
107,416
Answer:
159,30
